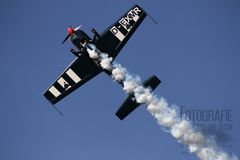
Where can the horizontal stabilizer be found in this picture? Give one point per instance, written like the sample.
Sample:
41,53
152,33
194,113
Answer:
130,104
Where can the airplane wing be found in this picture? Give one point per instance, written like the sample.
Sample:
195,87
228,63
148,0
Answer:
116,36
76,74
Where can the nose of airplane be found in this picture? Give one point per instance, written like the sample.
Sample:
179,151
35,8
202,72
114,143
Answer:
70,30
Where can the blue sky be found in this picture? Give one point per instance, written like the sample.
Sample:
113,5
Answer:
194,51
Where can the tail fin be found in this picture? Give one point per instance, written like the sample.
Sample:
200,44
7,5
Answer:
130,104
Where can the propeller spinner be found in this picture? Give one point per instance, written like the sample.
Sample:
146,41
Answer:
71,31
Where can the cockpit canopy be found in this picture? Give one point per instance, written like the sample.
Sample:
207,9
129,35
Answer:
79,38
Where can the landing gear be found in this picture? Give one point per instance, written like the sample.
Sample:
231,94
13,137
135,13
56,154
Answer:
76,53
95,34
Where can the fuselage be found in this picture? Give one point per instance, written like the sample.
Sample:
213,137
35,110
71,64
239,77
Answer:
79,39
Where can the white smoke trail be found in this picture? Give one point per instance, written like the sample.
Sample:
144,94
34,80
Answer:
167,116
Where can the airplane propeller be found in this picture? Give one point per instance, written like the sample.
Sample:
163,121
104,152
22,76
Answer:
71,31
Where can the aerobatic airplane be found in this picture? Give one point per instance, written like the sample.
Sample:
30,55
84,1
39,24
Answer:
83,68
